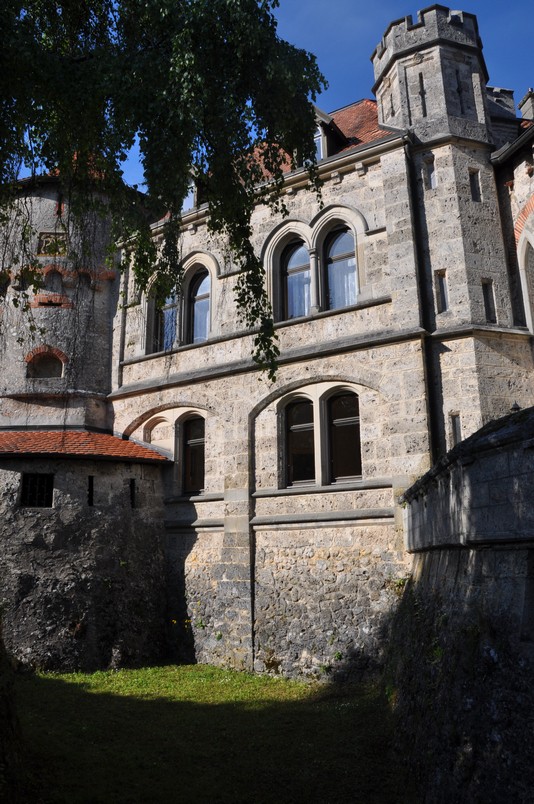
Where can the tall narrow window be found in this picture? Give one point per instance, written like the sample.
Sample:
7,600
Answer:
300,455
165,325
431,179
489,301
296,279
345,455
341,269
456,429
37,490
474,185
442,292
193,454
199,307
318,139
90,490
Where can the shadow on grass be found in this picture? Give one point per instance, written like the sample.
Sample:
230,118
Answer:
317,745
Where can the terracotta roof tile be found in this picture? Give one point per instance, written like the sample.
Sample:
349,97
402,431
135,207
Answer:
359,122
72,443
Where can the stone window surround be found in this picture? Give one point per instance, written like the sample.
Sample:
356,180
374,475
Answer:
319,395
195,264
314,234
175,418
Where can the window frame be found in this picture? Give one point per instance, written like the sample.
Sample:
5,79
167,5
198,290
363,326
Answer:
320,399
288,452
326,261
182,451
291,248
197,277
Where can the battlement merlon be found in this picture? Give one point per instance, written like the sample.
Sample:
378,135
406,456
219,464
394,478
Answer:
436,24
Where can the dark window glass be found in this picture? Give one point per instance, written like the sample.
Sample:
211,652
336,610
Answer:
43,366
194,448
341,270
300,450
37,490
442,292
344,437
53,282
199,308
90,490
296,279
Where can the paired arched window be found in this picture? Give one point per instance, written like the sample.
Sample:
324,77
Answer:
327,455
183,317
328,283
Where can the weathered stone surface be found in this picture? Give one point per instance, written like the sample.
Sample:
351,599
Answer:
82,587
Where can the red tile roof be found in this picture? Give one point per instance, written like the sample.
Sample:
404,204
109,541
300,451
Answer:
359,122
72,443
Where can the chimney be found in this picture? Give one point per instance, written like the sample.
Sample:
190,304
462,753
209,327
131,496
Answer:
526,106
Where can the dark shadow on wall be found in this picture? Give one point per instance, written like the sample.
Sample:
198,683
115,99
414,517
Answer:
458,674
179,628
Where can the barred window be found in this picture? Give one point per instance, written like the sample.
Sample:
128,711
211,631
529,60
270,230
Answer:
37,490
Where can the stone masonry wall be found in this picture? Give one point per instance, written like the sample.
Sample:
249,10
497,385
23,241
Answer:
323,597
82,586
461,651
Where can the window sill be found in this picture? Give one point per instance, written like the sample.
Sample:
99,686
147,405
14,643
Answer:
197,497
332,488
361,305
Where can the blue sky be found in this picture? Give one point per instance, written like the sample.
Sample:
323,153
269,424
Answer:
344,33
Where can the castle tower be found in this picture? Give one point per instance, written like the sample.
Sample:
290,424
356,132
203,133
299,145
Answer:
431,75
431,82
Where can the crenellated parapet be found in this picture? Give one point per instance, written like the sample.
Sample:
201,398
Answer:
431,75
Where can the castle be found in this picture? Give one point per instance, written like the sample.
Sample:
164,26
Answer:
160,496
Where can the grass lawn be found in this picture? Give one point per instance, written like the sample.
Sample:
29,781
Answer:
200,734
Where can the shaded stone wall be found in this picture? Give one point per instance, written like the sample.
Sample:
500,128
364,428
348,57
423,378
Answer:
459,674
461,650
83,586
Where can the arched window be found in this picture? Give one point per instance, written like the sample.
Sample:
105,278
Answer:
344,446
295,276
300,449
44,365
193,454
199,307
340,279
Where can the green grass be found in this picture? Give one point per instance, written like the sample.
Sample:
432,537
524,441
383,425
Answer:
199,734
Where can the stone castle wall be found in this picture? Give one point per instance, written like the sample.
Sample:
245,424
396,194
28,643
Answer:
82,585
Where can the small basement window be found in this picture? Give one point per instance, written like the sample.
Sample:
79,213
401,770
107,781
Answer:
37,490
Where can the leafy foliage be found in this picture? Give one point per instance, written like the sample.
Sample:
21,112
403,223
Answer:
206,86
